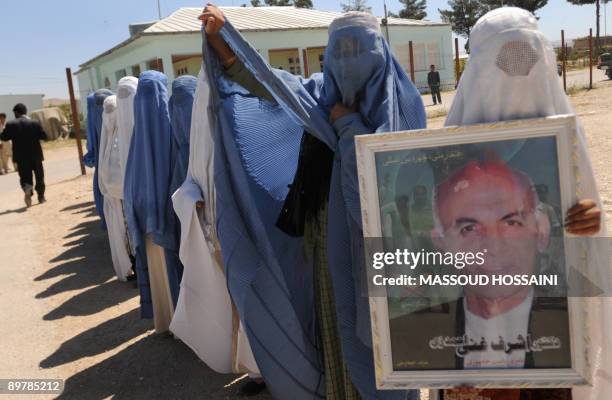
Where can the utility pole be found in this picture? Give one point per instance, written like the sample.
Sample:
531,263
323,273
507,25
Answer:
158,10
386,23
75,120
605,19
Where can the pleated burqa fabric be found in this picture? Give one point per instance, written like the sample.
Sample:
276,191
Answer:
256,152
126,90
512,74
204,317
151,219
181,106
110,181
95,109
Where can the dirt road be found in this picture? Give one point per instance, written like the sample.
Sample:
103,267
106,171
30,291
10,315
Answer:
66,316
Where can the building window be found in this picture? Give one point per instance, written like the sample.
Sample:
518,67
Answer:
186,64
156,64
136,70
120,74
286,59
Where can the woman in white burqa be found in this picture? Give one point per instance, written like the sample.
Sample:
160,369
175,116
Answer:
204,317
117,125
512,74
108,178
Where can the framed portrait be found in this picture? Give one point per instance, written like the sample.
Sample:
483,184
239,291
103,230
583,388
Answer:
466,256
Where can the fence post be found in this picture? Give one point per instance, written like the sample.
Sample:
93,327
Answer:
411,62
563,59
457,63
591,58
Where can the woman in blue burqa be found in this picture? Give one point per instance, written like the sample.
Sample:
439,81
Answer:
150,217
288,213
95,109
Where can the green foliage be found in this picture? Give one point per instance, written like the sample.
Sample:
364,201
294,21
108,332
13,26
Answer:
356,5
462,15
529,5
302,3
413,9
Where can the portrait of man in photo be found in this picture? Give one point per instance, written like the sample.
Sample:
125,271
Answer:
489,207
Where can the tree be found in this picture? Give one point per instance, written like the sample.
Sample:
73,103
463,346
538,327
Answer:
302,3
356,5
413,9
597,14
278,2
462,15
529,5
256,3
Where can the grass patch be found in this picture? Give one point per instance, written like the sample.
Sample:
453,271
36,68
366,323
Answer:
575,89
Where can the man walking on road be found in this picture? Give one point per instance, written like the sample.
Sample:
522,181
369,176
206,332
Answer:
26,135
433,80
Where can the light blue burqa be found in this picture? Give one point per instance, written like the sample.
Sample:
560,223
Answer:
180,107
256,152
95,109
148,176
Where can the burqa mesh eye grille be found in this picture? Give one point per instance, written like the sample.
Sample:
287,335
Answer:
347,47
517,58
123,92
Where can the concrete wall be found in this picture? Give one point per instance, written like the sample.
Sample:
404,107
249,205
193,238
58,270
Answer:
425,40
431,45
8,101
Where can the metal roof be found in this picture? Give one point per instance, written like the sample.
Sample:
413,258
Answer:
250,19
253,19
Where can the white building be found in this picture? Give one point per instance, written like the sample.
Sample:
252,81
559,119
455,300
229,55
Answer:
31,101
290,38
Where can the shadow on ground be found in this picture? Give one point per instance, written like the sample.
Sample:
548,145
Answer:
16,211
79,207
84,264
99,339
155,367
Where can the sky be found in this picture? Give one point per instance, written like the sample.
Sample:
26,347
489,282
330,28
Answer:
40,38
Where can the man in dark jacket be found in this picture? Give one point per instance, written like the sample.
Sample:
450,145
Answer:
433,80
26,135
